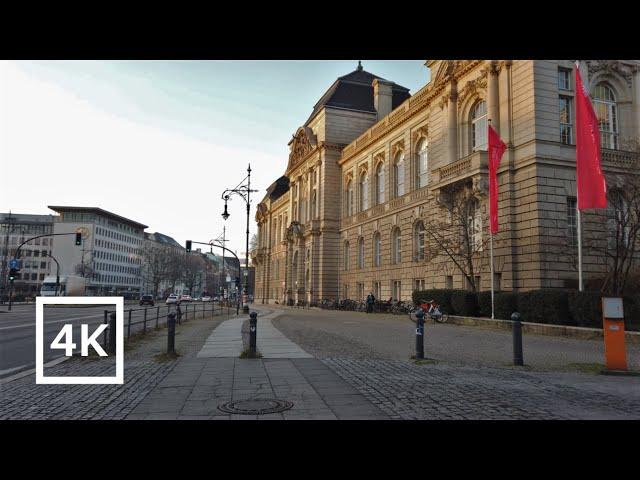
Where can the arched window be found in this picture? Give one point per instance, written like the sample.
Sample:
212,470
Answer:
604,104
364,191
349,198
422,164
380,184
398,175
346,255
396,246
377,250
479,126
361,253
419,237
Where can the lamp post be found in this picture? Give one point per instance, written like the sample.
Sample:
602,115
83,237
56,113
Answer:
243,190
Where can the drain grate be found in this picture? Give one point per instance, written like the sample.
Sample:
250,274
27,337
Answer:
256,406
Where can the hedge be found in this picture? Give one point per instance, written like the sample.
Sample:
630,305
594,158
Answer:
545,306
464,303
585,308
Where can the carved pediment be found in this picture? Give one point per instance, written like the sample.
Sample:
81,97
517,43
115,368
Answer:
447,71
397,148
472,88
302,143
611,67
419,133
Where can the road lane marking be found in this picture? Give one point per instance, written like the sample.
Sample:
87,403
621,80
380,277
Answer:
52,322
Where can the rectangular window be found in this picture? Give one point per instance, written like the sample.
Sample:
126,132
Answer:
418,284
564,79
566,122
396,288
360,291
477,281
377,290
448,282
497,282
572,222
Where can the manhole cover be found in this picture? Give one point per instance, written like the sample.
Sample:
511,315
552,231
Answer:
256,406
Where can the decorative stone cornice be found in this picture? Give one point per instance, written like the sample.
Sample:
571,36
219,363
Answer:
418,133
397,147
611,67
473,87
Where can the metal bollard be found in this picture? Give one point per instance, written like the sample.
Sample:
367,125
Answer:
517,339
253,326
420,334
112,332
171,333
129,325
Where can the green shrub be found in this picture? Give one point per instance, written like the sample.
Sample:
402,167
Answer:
505,303
631,309
484,304
545,306
585,308
441,296
464,303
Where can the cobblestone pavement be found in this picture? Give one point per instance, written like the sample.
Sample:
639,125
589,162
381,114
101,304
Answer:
406,390
23,399
330,333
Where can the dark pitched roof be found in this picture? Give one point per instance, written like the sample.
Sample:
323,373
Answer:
278,188
354,91
162,238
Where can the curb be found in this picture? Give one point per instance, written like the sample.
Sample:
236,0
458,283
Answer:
582,333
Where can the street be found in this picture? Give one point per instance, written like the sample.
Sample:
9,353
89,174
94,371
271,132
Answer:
17,329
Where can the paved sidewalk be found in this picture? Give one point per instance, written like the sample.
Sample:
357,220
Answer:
196,387
226,340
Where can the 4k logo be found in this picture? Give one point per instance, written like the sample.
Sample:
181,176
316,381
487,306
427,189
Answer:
64,340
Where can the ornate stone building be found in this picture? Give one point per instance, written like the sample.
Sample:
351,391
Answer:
361,202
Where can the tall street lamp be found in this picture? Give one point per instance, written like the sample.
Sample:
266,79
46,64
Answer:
243,190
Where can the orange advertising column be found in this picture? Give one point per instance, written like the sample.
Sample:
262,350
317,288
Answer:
613,325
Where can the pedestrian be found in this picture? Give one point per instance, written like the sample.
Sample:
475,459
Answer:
370,301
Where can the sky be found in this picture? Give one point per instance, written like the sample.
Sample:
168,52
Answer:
159,141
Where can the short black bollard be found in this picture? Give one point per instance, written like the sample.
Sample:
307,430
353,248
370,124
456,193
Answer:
253,324
112,332
171,333
517,339
420,334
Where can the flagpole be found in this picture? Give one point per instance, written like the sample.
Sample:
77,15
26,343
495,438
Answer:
578,216
491,255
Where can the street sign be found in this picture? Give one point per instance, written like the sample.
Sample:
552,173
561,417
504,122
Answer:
13,263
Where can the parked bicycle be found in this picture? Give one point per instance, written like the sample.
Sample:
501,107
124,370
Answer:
431,310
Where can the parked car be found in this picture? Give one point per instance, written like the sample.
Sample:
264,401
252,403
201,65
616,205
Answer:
185,298
173,298
207,299
147,300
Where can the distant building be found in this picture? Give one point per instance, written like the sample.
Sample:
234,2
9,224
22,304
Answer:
35,266
251,283
170,279
109,257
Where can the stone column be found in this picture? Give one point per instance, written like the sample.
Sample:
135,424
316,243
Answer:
453,123
493,99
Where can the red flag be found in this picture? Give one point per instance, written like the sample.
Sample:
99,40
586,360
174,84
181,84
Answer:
496,149
590,183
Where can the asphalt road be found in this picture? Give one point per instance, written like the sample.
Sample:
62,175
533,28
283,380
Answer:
18,334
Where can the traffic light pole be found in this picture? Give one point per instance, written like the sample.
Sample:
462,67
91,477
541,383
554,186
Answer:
17,256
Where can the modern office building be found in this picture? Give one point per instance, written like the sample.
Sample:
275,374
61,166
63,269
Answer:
110,255
15,228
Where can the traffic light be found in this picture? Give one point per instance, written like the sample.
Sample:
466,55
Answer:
78,238
12,274
188,246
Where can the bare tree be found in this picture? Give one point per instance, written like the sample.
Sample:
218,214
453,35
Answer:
156,262
194,265
85,269
253,243
175,269
456,232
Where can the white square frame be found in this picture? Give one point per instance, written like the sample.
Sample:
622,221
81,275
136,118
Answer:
118,379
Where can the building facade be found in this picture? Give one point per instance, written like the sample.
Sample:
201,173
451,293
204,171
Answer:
35,264
384,195
109,257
